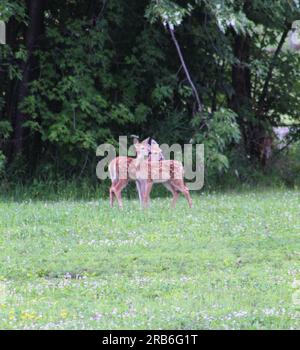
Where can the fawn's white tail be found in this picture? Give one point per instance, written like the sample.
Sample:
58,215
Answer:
112,169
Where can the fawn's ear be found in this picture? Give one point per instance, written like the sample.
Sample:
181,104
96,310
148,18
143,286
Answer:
135,139
145,141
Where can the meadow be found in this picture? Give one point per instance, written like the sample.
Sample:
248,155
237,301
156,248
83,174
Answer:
231,262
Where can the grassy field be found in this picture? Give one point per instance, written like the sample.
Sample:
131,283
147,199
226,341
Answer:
232,262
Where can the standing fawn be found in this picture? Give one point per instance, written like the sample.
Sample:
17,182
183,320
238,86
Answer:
118,173
153,170
123,169
120,176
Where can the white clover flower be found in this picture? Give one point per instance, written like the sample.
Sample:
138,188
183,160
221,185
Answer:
296,284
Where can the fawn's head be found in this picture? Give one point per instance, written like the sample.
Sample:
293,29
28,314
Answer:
155,152
142,149
148,149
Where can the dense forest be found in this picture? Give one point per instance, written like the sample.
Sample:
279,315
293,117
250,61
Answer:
78,73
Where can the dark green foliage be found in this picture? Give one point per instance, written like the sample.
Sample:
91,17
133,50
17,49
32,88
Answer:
101,69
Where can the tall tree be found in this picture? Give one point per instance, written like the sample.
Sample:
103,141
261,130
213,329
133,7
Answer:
28,69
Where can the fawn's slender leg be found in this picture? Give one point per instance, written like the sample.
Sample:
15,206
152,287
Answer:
186,193
141,187
138,187
174,192
149,185
111,193
180,186
111,196
119,199
117,189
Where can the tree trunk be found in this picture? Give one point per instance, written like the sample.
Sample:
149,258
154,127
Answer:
251,123
241,78
32,36
251,127
9,86
251,120
241,101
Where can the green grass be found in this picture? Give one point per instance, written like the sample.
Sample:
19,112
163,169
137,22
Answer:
229,263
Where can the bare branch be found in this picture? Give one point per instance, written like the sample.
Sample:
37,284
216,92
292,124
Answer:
186,71
264,94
